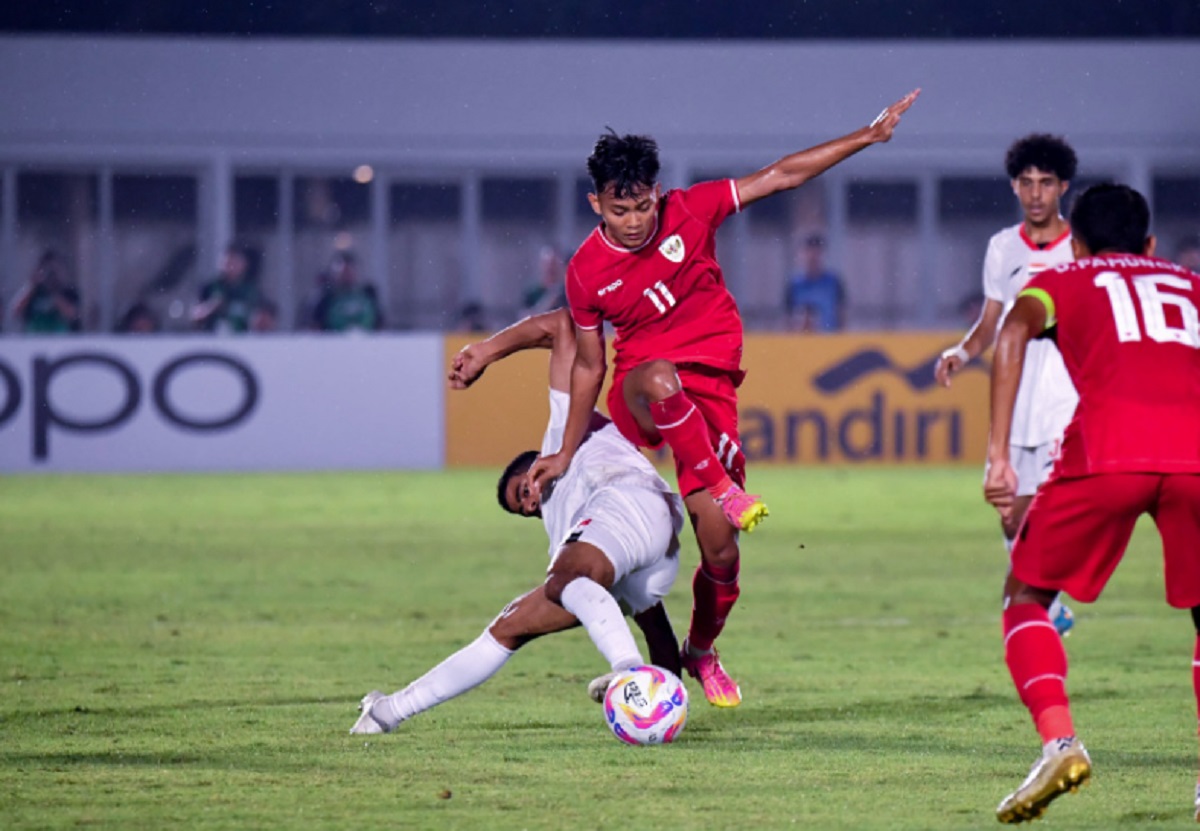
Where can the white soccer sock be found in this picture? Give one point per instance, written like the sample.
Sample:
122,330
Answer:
464,670
601,616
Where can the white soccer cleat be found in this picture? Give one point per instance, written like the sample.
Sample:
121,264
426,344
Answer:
366,724
1197,803
599,686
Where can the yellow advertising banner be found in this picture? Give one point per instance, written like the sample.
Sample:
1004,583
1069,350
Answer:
841,399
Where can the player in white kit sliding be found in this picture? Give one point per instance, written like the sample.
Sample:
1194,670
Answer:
613,525
1041,168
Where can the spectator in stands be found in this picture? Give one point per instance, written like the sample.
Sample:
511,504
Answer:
47,303
1187,253
549,292
346,303
139,319
815,298
265,317
227,302
471,318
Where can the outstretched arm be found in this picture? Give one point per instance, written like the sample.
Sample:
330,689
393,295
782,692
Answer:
587,376
1026,320
794,170
550,330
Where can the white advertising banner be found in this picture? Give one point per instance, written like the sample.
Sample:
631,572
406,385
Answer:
305,402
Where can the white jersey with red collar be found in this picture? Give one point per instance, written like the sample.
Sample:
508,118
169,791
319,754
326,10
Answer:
1046,399
605,461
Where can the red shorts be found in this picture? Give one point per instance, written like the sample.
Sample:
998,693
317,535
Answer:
1076,532
714,392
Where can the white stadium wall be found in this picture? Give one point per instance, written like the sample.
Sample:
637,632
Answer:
197,403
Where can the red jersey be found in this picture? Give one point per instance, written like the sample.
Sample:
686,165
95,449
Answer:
667,298
1129,334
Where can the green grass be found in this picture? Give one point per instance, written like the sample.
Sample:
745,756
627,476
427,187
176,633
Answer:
188,651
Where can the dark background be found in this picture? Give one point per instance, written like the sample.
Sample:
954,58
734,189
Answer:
790,19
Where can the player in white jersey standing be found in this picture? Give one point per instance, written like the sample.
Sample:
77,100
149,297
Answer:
613,525
1041,168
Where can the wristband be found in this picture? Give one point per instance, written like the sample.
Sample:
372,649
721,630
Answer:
957,352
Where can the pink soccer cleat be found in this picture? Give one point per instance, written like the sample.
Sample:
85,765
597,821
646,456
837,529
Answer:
719,688
743,510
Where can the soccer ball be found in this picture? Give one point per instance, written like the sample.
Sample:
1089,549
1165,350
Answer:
646,705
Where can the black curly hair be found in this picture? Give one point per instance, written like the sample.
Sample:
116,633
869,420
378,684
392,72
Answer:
1043,151
628,163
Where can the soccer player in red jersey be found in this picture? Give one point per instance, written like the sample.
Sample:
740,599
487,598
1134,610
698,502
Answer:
1128,329
650,269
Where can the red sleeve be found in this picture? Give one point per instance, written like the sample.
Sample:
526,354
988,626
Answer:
712,202
583,311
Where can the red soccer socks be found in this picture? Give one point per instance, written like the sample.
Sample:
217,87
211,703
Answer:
1037,662
714,591
684,430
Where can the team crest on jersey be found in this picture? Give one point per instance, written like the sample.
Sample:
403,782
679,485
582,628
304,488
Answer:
672,248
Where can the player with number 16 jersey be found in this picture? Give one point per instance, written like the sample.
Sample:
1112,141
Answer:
1139,407
1128,329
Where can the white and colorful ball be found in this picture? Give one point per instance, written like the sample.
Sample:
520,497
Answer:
646,705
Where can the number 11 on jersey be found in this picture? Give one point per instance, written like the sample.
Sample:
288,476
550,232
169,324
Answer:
660,296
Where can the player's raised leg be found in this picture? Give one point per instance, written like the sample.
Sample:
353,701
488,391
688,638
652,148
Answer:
656,398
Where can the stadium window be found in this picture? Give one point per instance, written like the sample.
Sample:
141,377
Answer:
331,202
424,201
876,201
968,198
1177,197
506,199
256,203
583,207
156,198
54,197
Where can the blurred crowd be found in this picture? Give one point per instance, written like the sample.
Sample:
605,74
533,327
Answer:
233,300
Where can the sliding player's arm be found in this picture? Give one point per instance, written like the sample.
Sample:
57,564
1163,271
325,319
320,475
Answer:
587,376
551,330
794,170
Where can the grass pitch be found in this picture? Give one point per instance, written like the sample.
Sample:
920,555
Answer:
188,651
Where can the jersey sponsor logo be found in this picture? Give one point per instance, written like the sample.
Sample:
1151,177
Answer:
672,248
611,287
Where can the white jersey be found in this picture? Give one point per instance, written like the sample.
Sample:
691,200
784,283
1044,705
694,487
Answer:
1046,398
605,461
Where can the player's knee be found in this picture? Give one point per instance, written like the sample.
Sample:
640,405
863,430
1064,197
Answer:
557,581
1196,618
723,556
659,379
505,633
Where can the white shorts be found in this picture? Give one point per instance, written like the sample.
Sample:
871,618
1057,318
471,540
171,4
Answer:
1032,465
638,531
